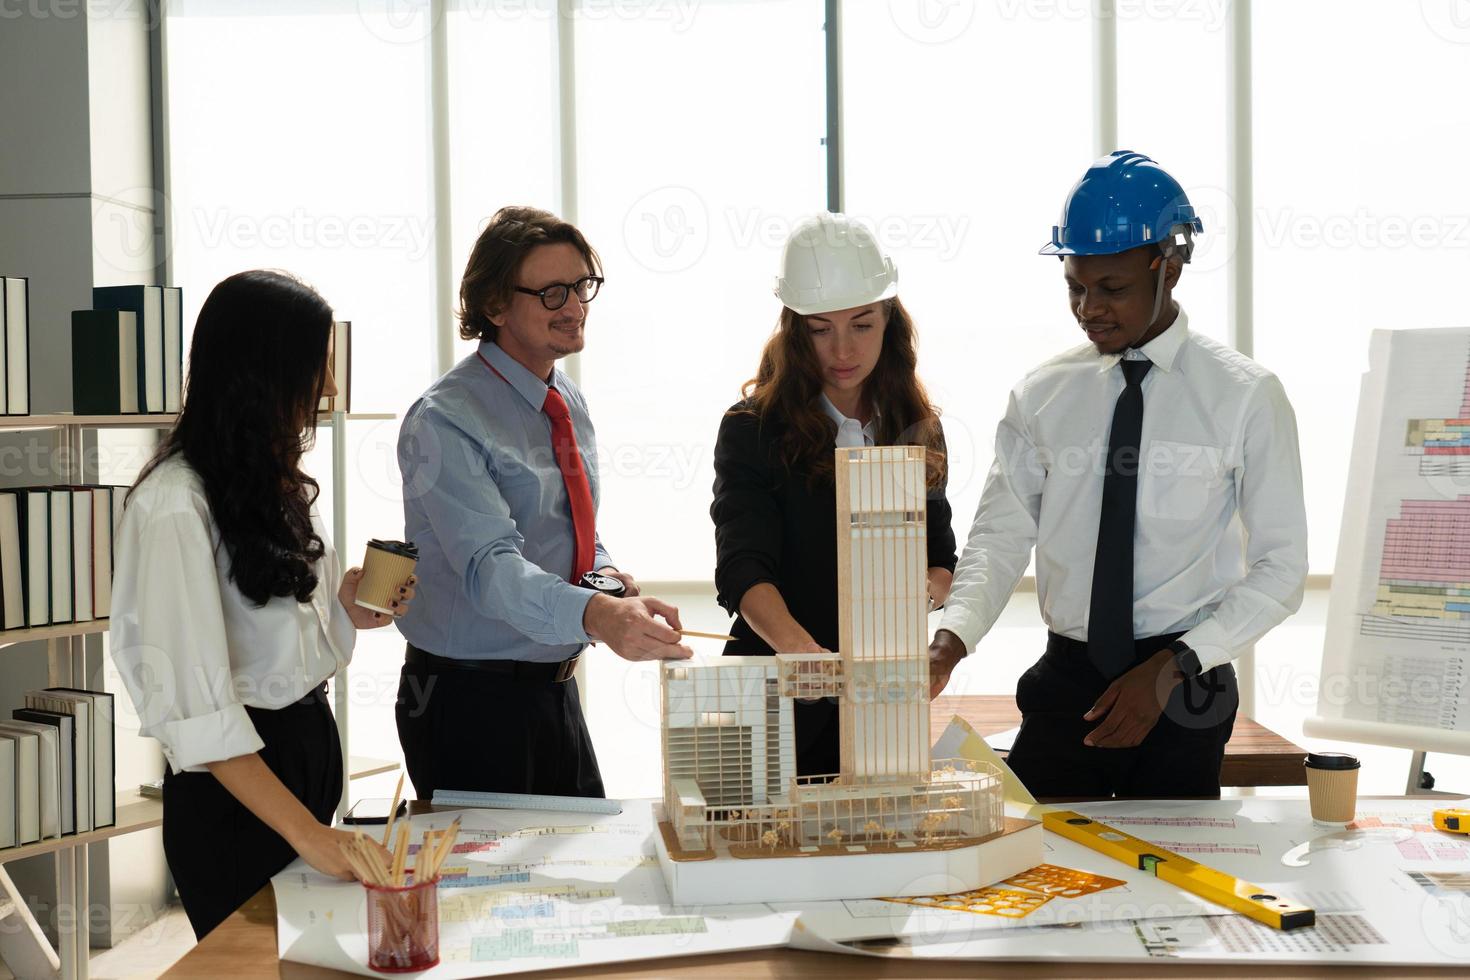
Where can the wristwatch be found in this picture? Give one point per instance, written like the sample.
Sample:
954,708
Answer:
1185,658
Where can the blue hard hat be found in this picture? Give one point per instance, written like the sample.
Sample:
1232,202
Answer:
1125,200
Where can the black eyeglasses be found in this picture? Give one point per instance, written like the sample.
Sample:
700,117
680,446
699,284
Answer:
554,297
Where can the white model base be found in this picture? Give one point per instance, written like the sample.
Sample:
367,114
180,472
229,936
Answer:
727,880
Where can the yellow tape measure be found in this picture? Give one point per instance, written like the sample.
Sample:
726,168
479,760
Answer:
1195,878
1456,821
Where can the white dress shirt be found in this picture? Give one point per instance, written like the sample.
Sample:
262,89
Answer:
1220,547
191,648
851,434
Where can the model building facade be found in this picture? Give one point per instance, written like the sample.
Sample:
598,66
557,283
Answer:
729,756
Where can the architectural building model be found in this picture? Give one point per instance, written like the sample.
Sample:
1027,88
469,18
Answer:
740,825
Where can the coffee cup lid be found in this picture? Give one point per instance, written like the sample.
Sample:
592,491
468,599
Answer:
1332,760
405,548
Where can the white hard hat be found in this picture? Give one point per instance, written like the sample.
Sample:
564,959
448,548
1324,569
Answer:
831,262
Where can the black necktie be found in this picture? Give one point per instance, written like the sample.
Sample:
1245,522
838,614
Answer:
1110,620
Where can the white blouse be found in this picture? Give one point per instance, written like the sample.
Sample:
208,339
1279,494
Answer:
192,650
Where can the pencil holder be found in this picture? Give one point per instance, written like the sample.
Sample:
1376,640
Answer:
403,926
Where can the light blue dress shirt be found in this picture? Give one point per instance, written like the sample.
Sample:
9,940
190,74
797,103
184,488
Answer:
487,506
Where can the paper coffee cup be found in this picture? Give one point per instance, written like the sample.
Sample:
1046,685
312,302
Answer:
1332,786
385,567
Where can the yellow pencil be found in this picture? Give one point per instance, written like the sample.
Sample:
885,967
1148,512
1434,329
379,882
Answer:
706,636
393,811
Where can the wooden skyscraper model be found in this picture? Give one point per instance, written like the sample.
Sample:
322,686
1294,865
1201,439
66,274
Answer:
739,825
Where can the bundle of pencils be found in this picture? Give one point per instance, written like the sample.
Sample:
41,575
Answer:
370,865
379,868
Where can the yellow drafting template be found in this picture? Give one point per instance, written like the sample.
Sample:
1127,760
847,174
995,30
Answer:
1005,902
1059,882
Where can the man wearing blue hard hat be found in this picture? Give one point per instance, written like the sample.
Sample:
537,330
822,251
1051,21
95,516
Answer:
1156,472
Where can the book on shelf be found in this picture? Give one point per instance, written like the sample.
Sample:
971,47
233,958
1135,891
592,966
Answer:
102,529
82,743
35,552
7,792
104,771
48,773
339,352
56,553
12,578
82,543
24,794
61,555
66,753
93,766
58,752
104,362
159,334
16,315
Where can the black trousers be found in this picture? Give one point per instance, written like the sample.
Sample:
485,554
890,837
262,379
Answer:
468,729
219,852
1180,758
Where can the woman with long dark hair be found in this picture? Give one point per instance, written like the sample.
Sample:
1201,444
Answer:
839,371
228,611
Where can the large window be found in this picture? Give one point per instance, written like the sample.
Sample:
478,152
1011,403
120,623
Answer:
1362,221
686,139
699,145
298,140
959,153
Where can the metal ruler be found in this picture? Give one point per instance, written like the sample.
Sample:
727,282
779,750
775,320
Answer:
525,801
1195,878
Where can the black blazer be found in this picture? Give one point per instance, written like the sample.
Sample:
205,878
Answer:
773,525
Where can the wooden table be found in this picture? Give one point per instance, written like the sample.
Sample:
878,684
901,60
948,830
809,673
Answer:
1255,755
245,947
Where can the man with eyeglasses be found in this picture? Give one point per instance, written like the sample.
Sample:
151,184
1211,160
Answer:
500,495
1156,473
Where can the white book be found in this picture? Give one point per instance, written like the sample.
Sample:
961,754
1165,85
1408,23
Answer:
61,556
119,502
84,773
66,747
104,776
17,386
48,772
27,785
130,400
7,793
101,550
81,554
12,585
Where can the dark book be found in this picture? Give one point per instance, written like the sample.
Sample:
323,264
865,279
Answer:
35,554
104,362
147,303
173,348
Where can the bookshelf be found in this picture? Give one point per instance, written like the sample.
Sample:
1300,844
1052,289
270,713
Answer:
66,666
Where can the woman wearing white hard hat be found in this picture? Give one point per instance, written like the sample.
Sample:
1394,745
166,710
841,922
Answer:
839,371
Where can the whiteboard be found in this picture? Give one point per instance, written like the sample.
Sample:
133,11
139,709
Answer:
1394,663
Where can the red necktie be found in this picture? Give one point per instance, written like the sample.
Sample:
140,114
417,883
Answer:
569,459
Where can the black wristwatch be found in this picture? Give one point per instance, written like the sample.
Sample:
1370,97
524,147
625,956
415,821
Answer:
1185,659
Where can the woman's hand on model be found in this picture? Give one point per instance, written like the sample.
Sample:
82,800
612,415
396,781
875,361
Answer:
367,619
